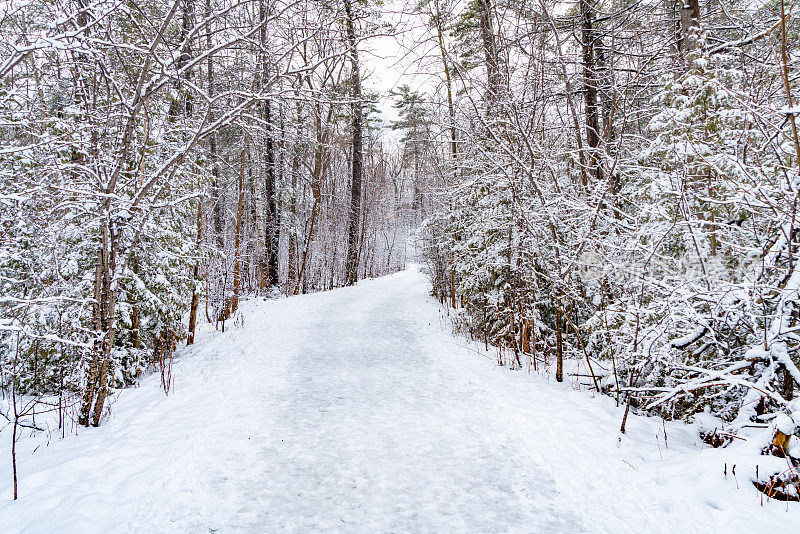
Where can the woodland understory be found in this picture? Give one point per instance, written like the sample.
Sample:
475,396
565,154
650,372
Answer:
611,181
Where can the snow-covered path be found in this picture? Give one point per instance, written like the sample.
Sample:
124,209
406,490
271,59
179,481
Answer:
370,432
355,411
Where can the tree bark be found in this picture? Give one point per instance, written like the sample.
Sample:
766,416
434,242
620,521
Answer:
272,234
96,388
212,145
559,342
490,52
588,38
690,23
351,264
448,81
181,105
292,278
237,268
195,277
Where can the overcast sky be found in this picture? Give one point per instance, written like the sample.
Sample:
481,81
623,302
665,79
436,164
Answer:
391,61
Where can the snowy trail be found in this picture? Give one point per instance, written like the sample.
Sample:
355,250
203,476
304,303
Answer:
354,411
377,435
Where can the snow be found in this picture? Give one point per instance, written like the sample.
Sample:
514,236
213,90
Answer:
355,411
688,339
784,424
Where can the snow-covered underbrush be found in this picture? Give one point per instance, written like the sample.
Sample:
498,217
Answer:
762,450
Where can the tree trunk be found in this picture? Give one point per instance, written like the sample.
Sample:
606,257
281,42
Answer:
437,18
272,234
237,268
588,38
135,327
181,105
559,342
690,24
271,226
351,265
196,277
490,53
104,323
212,145
292,274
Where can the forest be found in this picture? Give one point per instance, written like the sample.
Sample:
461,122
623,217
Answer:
607,189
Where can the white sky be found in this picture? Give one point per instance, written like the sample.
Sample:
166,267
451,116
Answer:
391,61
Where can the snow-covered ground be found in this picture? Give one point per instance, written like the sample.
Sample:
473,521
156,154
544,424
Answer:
355,411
